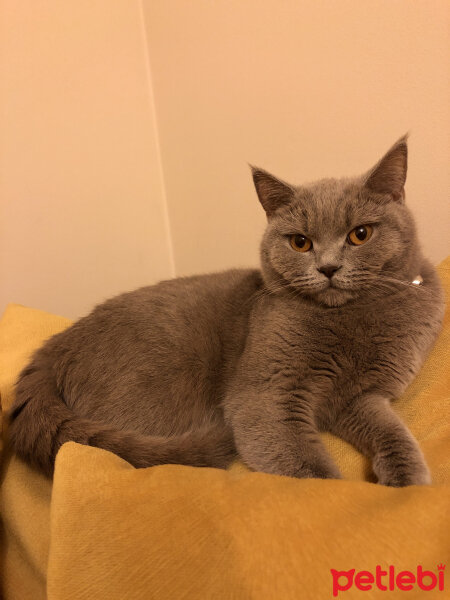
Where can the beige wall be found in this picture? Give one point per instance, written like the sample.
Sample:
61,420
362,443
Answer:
303,88
82,198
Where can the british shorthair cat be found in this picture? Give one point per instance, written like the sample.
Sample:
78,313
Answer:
255,363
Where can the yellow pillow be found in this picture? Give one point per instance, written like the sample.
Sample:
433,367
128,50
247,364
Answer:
107,530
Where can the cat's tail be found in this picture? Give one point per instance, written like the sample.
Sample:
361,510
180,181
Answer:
41,422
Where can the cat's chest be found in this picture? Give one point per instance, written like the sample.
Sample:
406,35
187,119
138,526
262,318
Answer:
352,343
351,349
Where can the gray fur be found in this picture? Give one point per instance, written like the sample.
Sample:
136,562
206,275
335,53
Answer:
254,363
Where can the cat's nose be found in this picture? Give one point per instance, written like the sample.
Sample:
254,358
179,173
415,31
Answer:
329,270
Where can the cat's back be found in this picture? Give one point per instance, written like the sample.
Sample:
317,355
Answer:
185,306
185,301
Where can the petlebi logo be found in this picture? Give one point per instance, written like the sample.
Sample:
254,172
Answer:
389,579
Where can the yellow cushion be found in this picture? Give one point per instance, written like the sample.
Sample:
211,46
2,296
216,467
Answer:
107,530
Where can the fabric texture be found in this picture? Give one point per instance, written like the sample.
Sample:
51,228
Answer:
105,530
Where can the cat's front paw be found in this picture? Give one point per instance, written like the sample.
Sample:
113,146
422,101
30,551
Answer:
418,474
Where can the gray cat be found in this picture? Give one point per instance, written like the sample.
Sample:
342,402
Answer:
253,364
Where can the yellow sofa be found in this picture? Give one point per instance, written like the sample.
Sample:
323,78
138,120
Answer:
104,530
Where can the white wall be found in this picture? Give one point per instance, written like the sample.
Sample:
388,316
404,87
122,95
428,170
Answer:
105,187
82,197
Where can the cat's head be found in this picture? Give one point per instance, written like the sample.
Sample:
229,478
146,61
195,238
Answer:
337,239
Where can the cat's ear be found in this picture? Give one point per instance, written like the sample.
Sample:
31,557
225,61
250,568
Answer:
272,192
389,174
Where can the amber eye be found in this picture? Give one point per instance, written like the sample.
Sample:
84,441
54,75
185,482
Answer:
300,243
360,235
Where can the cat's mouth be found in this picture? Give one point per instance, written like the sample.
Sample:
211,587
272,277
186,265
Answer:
335,284
330,283
333,294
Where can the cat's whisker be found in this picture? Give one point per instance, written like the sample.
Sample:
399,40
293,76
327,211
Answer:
383,280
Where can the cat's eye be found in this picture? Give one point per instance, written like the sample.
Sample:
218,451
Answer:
300,243
360,235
